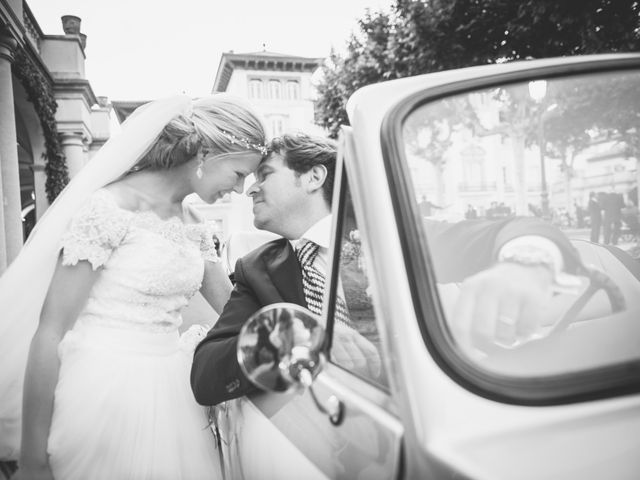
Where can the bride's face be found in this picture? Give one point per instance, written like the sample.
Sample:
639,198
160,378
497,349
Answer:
225,173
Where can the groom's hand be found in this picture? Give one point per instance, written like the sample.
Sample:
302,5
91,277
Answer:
501,306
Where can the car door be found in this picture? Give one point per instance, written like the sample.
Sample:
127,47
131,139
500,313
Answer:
270,435
559,398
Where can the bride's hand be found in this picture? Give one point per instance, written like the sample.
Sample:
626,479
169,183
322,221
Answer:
37,472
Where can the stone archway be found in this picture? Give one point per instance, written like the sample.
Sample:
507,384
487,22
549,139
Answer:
27,177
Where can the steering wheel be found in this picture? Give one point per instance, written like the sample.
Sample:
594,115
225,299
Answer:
597,281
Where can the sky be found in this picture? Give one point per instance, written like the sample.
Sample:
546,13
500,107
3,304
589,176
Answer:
145,49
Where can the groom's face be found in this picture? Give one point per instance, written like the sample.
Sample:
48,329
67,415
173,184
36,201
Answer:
278,196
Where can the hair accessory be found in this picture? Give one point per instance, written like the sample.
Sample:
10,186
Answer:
199,171
245,143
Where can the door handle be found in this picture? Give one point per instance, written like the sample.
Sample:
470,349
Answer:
334,408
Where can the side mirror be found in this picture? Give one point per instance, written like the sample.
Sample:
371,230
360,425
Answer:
280,347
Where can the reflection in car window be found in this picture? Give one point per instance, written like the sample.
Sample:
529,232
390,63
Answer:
356,341
555,159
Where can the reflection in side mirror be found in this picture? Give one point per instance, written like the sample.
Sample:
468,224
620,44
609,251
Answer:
280,347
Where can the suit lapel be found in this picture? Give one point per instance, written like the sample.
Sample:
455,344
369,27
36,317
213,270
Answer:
284,270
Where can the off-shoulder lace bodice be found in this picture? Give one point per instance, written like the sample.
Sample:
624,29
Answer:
150,267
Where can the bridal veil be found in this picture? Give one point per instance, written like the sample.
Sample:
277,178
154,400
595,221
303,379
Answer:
24,285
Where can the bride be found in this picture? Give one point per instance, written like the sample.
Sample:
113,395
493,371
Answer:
98,290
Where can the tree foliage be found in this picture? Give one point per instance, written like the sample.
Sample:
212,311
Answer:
40,94
423,36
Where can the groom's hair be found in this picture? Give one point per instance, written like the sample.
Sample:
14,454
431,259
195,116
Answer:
301,152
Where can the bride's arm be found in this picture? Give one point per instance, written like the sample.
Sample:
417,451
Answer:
66,297
216,286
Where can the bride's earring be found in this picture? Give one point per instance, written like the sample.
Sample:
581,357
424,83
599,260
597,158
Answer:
199,171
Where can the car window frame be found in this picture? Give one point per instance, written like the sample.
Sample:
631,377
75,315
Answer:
341,183
587,385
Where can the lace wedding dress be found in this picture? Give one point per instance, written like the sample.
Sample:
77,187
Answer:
123,406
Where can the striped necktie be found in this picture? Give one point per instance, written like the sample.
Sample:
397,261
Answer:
313,283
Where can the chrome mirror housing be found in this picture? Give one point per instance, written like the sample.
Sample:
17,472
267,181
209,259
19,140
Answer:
280,347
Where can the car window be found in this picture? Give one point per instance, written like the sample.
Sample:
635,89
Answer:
555,158
356,341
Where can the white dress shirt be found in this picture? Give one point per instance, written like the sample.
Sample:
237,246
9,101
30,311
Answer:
319,233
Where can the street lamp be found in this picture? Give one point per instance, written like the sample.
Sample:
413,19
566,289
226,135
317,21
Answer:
537,91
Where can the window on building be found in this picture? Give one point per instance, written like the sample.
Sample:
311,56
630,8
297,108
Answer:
293,90
473,169
277,126
255,88
275,92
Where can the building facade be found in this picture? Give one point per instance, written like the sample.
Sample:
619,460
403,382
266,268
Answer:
488,164
279,86
51,122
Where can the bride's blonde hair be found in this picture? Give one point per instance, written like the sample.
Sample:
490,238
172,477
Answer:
219,123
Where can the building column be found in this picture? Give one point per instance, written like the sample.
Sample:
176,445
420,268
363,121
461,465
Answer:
10,213
73,148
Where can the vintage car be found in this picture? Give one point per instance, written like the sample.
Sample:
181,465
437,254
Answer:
530,138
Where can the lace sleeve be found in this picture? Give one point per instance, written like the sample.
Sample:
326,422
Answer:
208,245
94,232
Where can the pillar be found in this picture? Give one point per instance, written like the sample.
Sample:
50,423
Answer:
74,150
10,213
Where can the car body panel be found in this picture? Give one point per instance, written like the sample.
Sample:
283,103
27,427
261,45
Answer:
254,449
368,440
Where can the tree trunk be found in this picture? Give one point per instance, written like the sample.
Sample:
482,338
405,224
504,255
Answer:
440,186
517,142
568,175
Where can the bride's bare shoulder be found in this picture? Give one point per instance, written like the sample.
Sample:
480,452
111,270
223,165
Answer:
124,196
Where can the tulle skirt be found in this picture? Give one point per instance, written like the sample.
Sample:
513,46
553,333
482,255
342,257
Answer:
124,409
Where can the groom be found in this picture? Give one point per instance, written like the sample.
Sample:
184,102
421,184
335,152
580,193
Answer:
292,198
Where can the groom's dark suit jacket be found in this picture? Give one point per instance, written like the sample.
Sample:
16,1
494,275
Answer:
271,274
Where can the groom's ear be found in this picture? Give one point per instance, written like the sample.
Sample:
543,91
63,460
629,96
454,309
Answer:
316,177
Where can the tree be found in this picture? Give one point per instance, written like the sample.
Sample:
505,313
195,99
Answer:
603,107
423,36
364,65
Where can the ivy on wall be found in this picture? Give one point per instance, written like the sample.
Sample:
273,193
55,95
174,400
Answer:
40,94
